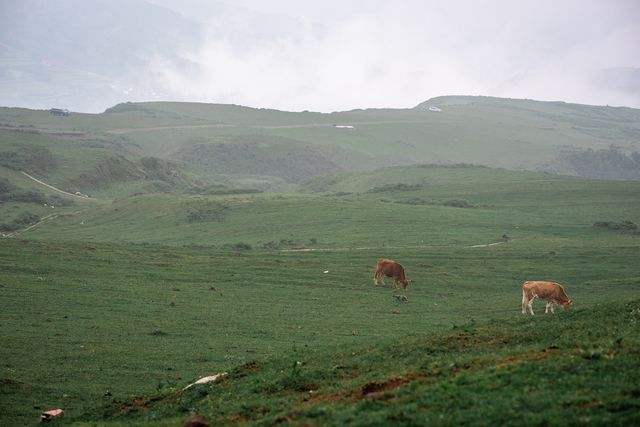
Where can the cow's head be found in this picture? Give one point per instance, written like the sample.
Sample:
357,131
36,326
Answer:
568,303
405,284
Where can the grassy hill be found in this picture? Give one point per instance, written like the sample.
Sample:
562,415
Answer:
570,370
415,206
243,147
113,307
175,268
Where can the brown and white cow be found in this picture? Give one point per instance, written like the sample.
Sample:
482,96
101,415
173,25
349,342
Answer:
390,268
553,292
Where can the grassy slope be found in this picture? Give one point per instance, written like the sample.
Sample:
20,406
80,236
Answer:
86,324
70,157
9,210
573,369
525,206
498,133
83,319
490,131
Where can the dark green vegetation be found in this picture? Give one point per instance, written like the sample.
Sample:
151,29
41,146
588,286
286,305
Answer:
111,304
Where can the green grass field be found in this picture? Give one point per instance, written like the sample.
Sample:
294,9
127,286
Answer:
358,211
175,268
86,324
109,310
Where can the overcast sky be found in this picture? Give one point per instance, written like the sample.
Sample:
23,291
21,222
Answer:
335,55
373,53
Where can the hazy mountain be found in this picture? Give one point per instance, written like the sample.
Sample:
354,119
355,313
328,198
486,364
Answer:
85,56
89,55
77,54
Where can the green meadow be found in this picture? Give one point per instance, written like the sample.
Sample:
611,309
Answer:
110,309
183,262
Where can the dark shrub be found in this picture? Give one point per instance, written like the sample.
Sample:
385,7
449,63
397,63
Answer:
271,245
458,203
395,187
239,246
60,201
26,218
206,211
5,186
618,226
9,226
416,201
30,197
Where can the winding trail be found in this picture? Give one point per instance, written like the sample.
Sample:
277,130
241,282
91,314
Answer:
48,217
370,248
52,187
23,230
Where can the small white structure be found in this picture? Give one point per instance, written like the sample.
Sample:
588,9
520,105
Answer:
344,126
436,109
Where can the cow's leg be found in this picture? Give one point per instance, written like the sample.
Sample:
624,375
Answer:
376,276
525,301
382,276
550,307
530,305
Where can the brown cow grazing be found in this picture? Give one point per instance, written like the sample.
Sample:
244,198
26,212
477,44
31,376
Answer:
390,268
551,291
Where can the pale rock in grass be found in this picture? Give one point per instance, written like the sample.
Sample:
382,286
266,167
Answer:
208,379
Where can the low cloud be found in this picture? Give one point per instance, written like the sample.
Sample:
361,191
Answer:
397,55
332,55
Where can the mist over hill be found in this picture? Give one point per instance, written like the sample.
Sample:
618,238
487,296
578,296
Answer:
79,55
88,56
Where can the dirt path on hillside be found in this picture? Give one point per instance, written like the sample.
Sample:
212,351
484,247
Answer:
23,230
34,225
154,128
370,248
306,125
43,131
53,188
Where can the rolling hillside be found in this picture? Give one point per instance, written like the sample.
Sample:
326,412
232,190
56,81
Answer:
497,373
114,305
241,147
410,206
